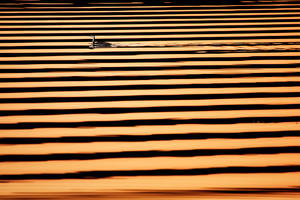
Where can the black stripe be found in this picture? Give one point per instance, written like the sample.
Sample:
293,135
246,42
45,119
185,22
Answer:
148,97
149,12
149,87
58,7
149,39
237,51
143,68
146,154
236,44
122,110
154,137
143,60
161,21
82,18
146,122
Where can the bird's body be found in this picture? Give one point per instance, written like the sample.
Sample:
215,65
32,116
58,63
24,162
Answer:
99,43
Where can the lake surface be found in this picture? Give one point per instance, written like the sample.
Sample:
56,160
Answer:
191,102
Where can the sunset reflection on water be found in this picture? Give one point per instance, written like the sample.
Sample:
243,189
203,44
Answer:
191,102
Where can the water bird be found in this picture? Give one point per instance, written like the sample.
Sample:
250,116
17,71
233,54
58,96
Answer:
98,43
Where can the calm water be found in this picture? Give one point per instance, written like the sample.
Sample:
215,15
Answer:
192,102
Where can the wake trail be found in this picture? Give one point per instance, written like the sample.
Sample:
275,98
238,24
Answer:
102,44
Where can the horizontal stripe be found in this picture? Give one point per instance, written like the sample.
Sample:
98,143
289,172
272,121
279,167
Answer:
84,26
149,97
144,154
214,194
154,137
81,29
167,92
125,123
166,172
39,69
154,20
155,145
291,49
145,16
157,129
150,87
156,26
71,166
176,115
179,47
125,12
148,83
144,37
147,77
148,74
69,6
136,59
147,109
152,44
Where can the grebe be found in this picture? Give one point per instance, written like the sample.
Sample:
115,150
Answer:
98,43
